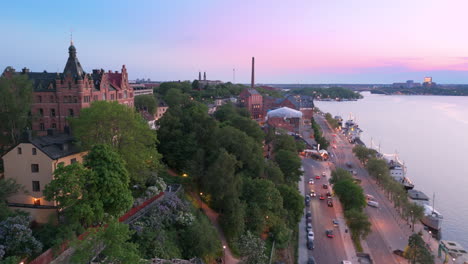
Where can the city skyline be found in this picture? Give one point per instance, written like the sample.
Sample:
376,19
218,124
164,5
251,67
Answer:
294,42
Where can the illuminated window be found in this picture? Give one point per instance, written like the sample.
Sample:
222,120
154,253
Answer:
37,201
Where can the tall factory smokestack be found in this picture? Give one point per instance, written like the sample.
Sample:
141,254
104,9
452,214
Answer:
253,72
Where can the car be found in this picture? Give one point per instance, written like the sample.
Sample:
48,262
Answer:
334,146
346,262
398,252
373,204
329,233
308,214
324,174
307,198
335,223
325,186
308,220
317,177
322,197
312,194
307,203
329,194
310,245
330,203
311,260
349,164
334,135
309,227
311,181
310,235
370,197
354,172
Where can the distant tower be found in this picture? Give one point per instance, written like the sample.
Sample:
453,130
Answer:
199,76
204,76
253,73
233,76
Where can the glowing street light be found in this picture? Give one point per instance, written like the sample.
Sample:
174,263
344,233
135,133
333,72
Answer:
185,175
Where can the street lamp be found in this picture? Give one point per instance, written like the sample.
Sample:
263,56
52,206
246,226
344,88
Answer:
201,202
429,239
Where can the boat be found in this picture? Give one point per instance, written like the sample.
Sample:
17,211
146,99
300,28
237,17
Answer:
352,130
398,171
432,218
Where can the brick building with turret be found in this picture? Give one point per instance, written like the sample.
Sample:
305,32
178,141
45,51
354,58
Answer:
57,96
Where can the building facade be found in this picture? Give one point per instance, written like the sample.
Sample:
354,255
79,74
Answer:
253,101
58,96
32,164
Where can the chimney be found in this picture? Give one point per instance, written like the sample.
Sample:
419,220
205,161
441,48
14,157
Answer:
199,76
25,70
204,76
253,73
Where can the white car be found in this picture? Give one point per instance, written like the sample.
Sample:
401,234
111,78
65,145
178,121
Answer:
309,227
311,182
310,235
323,174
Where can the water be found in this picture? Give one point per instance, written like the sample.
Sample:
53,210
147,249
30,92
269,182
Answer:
430,134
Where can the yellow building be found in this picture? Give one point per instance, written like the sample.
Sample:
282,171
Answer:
32,165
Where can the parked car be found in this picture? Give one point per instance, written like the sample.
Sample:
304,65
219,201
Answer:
398,252
370,197
329,233
310,235
307,198
349,164
310,244
311,260
307,203
330,203
329,194
308,214
309,227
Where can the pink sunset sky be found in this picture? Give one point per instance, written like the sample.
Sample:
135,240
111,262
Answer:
297,41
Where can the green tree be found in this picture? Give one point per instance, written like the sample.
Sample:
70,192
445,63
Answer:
122,128
284,142
146,102
332,121
293,202
363,153
416,212
417,252
195,84
8,187
232,218
359,224
86,193
176,97
252,249
112,239
15,105
273,172
289,164
351,195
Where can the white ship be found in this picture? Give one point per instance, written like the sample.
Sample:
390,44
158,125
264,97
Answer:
432,218
398,171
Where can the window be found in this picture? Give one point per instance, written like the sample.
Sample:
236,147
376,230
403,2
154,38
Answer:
42,126
112,97
39,99
41,112
34,151
120,96
95,98
52,99
34,167
37,201
86,99
70,112
20,151
36,186
54,125
52,112
75,99
72,161
104,96
125,94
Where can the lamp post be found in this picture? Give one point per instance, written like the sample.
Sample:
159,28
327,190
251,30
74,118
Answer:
201,202
224,254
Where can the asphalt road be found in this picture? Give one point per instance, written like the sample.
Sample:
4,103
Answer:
387,234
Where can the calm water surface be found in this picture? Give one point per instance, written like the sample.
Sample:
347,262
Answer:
430,134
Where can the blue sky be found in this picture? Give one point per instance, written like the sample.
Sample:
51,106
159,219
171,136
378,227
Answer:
297,41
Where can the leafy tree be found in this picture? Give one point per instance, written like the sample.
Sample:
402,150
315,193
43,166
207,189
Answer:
175,97
289,164
232,218
332,92
122,128
340,174
8,187
220,179
417,252
252,249
16,237
195,84
292,202
113,239
284,142
363,153
351,195
15,105
273,172
359,224
146,102
416,212
332,121
86,192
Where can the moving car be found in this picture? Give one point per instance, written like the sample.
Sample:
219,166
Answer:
373,204
329,194
312,194
370,197
335,222
317,177
330,203
329,233
324,174
311,181
322,197
325,186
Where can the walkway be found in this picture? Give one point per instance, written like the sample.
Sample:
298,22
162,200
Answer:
213,216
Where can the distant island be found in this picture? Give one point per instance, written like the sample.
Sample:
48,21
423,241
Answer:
329,94
461,90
